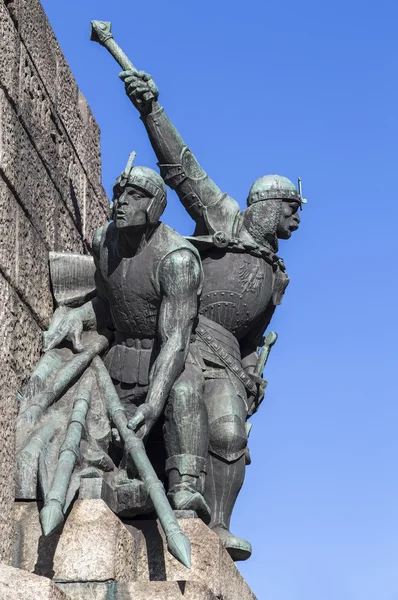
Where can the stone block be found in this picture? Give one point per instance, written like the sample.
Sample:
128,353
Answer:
211,564
23,256
164,590
36,191
67,96
32,278
94,546
68,238
96,211
37,111
8,411
25,173
13,8
88,143
38,37
153,590
7,320
32,552
89,591
10,137
20,335
16,584
8,232
9,54
26,342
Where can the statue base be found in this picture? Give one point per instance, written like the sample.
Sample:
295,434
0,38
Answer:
95,555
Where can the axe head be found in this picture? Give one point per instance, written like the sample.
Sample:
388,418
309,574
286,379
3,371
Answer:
101,31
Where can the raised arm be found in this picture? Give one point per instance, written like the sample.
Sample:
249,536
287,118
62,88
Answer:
180,280
210,208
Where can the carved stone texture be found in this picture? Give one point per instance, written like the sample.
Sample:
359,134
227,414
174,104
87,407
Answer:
8,413
37,35
16,584
68,238
9,140
67,95
9,53
23,256
89,591
24,171
13,8
8,232
164,590
96,212
211,564
155,590
25,343
88,144
94,546
32,552
32,271
36,110
19,333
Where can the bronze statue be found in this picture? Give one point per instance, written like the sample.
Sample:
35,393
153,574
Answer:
244,280
179,323
148,279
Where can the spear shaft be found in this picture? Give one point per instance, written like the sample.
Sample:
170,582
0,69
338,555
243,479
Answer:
177,541
52,514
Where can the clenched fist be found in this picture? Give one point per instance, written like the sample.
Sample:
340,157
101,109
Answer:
141,89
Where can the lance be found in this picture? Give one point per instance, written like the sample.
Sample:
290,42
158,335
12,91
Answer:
41,401
177,541
101,32
52,514
269,341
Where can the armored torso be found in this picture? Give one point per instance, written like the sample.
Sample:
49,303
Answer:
237,289
131,287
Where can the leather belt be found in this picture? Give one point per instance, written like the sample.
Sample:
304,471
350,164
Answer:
226,358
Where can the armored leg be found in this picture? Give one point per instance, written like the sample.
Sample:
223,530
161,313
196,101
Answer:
227,459
186,440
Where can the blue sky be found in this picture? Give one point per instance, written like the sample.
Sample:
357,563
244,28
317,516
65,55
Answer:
306,89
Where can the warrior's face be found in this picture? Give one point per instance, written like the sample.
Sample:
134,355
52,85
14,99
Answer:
130,207
289,220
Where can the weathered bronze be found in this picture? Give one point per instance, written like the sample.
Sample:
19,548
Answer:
153,361
147,281
244,281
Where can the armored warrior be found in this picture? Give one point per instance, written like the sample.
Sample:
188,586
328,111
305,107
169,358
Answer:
148,279
244,281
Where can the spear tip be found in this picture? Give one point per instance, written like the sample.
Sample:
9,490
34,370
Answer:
180,547
51,516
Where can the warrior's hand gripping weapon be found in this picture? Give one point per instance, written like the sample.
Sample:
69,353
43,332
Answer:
177,541
101,32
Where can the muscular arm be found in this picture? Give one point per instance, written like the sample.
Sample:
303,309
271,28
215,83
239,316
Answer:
202,198
180,279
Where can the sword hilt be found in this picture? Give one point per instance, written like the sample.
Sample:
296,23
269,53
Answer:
101,32
269,341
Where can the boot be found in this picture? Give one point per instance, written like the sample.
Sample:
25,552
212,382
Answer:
223,483
186,484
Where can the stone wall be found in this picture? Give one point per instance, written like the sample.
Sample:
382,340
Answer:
51,198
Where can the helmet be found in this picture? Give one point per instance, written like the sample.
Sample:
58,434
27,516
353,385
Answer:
274,187
145,179
149,181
